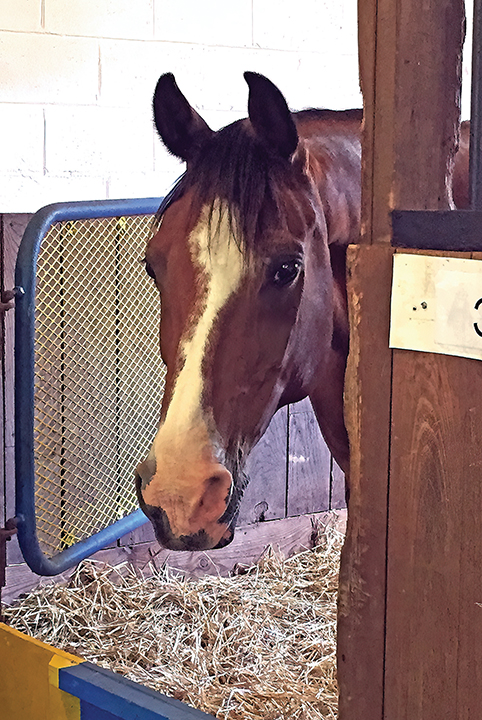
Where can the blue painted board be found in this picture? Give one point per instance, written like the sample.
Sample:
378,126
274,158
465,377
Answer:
120,698
90,712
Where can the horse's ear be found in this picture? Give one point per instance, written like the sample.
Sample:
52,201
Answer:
180,127
270,115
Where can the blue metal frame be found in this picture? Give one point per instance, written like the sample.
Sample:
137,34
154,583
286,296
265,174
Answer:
105,694
25,281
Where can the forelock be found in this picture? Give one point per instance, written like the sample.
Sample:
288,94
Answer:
250,180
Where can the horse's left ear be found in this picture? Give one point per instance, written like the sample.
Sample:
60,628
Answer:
270,115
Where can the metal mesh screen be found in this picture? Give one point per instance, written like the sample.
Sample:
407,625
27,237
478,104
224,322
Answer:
98,375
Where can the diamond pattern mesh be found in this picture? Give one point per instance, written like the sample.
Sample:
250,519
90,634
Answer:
98,375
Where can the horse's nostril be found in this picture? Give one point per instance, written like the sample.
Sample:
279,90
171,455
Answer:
138,486
220,483
215,481
186,511
145,472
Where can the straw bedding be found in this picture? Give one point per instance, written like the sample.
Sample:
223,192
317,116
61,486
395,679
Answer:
260,644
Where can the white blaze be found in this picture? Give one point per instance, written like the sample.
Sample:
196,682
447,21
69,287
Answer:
218,258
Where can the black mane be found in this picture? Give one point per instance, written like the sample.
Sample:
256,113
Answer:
324,114
236,168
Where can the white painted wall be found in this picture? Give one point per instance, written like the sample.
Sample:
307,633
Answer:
77,77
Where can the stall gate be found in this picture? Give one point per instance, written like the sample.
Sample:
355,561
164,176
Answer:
89,383
98,376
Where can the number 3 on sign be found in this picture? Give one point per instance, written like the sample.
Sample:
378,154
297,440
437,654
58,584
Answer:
476,327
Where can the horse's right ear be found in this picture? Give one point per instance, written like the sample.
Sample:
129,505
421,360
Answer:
180,127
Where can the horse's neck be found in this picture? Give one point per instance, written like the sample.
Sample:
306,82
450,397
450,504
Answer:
335,165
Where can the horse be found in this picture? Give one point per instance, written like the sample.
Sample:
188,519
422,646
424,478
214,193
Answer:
248,254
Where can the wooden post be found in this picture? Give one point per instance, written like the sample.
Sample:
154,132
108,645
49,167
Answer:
12,227
410,60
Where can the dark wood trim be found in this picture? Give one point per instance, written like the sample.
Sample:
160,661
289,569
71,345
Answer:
453,230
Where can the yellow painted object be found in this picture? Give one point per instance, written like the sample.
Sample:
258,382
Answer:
29,678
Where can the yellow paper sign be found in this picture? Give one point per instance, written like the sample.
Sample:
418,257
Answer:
437,305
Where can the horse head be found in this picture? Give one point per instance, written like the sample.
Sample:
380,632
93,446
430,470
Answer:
240,256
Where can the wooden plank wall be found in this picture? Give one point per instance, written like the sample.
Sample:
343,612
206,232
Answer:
291,470
433,649
408,640
11,228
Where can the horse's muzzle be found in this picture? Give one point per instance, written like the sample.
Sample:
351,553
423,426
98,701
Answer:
200,540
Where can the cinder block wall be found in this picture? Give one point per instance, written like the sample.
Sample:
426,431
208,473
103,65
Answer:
77,77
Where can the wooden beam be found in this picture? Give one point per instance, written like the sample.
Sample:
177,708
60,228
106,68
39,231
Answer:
410,66
410,61
361,618
13,228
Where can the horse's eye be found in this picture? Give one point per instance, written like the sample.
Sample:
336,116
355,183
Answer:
287,272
